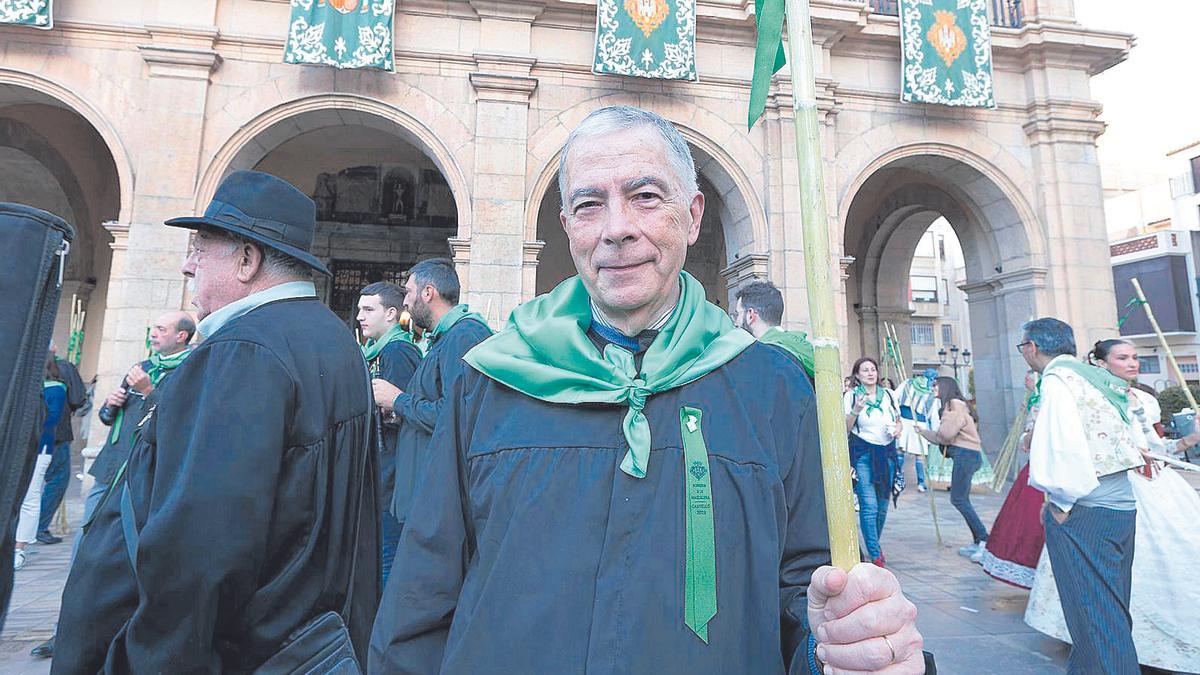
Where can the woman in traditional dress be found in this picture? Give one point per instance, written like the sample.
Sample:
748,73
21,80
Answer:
916,400
873,422
1017,534
1165,600
957,431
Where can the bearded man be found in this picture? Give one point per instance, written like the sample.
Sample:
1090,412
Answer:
624,482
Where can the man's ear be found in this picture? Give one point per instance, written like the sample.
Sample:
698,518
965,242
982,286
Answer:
249,262
696,209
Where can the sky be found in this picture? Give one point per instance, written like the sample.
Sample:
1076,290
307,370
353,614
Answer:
1152,100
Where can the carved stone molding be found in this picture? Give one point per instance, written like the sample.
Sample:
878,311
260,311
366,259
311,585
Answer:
120,233
747,268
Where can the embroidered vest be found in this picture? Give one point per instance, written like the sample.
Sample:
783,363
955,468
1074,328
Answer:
1108,437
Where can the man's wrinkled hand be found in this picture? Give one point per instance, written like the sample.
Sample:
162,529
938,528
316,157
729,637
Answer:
138,380
851,614
385,393
117,398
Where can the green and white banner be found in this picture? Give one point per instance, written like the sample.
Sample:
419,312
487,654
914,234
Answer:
946,53
646,38
341,33
32,13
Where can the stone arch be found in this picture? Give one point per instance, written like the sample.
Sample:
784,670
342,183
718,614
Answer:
245,146
884,212
722,154
69,99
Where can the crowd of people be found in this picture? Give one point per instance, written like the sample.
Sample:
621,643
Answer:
626,478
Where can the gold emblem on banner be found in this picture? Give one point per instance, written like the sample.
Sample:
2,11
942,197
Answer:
647,15
947,38
343,6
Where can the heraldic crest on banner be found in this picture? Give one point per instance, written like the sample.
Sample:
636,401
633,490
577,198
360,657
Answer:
33,13
341,33
946,52
646,38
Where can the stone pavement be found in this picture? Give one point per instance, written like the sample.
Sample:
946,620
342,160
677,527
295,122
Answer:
972,623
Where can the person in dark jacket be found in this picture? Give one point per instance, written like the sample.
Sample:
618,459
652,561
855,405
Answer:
169,338
450,330
249,496
392,357
59,472
54,396
624,482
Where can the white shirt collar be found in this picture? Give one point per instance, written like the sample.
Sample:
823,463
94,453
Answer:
291,289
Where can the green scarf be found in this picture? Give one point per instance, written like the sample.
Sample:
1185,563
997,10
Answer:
372,349
877,404
159,366
545,353
794,342
921,384
1114,389
456,314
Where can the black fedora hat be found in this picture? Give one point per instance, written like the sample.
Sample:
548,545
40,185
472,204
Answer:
264,208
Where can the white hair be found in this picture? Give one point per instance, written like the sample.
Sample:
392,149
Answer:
616,118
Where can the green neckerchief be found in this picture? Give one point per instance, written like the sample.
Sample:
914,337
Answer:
921,384
1114,389
877,404
794,342
456,314
545,353
1035,396
159,367
371,350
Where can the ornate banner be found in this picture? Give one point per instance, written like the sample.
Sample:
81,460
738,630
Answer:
32,13
646,38
946,53
341,33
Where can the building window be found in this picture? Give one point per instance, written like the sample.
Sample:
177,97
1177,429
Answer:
923,289
1189,368
947,334
1150,365
922,333
946,292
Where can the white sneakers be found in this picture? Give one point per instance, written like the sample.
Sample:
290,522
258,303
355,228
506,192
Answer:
18,559
974,552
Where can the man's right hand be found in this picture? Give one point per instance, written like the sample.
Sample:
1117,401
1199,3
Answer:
117,398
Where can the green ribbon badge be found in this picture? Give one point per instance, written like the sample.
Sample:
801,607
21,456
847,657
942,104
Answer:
700,579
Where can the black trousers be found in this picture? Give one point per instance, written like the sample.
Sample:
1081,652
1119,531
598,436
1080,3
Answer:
1091,553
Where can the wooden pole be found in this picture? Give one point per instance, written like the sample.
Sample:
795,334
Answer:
818,269
1162,341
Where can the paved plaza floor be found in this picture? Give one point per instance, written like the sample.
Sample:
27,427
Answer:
972,623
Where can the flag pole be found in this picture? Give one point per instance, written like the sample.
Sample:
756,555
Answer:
835,455
1162,341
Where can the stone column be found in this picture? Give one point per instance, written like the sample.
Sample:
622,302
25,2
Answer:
503,86
145,279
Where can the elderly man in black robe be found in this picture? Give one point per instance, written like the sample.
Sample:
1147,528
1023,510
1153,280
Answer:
247,506
624,482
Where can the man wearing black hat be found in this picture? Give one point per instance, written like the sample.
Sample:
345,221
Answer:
247,508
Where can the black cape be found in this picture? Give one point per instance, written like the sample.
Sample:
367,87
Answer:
422,402
529,551
396,363
244,483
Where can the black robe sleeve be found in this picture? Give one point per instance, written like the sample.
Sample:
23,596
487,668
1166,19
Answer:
806,546
108,414
424,412
418,604
398,362
219,438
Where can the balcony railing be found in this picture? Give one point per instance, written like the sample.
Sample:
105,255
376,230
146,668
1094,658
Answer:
1004,14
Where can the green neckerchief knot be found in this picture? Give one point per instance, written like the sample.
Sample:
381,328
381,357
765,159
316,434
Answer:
373,348
876,404
159,367
545,353
1035,396
1114,389
457,313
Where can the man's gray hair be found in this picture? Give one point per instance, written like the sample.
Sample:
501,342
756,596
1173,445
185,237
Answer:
1052,337
274,262
617,118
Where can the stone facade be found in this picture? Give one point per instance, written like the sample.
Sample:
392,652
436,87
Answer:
173,96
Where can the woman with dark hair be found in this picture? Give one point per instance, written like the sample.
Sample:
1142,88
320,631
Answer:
957,431
1164,602
54,394
873,422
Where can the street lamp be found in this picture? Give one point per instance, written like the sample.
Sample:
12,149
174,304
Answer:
955,353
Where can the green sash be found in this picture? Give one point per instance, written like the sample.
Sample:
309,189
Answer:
1114,389
545,353
159,367
372,349
796,343
456,314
